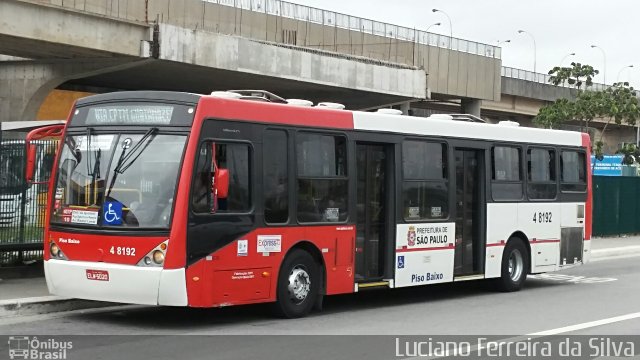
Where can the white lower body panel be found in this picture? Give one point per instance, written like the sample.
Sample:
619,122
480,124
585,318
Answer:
126,284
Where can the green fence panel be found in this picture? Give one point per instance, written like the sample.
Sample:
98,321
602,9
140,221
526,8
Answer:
615,205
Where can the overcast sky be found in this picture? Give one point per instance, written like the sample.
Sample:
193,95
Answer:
560,27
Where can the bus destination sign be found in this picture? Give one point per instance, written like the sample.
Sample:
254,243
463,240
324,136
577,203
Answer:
130,115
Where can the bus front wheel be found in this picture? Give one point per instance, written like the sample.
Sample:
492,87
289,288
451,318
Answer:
515,265
298,285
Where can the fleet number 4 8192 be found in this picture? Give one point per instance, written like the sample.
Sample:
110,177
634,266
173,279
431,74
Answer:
542,217
122,250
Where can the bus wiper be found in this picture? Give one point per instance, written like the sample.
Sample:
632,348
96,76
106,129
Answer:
89,167
136,151
71,144
93,170
123,160
95,174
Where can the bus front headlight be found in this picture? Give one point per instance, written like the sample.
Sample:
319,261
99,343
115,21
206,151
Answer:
54,250
158,257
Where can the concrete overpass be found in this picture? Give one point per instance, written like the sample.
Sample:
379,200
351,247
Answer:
201,46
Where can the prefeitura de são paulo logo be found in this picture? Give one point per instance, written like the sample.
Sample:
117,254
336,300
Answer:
31,348
411,236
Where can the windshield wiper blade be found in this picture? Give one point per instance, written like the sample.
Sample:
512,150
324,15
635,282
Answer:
138,150
124,156
88,142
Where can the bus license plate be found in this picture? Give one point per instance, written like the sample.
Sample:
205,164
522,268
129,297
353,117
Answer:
100,275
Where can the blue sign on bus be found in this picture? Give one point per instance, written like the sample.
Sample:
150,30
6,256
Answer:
112,212
611,165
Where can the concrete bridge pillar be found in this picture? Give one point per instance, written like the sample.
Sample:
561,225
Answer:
471,106
405,107
24,84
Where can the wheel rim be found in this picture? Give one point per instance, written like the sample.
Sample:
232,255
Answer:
516,265
299,284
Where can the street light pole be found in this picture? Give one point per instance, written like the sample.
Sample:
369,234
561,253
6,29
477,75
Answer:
566,56
620,72
617,81
534,48
604,58
432,25
428,50
450,27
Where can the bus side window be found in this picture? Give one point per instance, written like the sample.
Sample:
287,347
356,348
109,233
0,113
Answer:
275,180
425,186
506,173
541,166
322,181
222,182
573,172
201,194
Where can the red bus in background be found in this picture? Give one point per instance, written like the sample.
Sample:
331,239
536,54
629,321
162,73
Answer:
179,199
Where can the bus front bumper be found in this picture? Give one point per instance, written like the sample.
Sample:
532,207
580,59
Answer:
116,282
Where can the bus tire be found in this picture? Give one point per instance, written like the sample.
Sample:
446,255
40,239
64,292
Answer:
298,285
515,265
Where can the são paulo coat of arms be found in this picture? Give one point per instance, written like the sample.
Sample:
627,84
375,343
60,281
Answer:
411,236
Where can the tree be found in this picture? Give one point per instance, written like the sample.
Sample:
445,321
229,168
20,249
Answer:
589,105
586,106
631,154
553,115
620,105
576,75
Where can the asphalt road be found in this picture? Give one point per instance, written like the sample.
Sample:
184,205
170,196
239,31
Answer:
600,298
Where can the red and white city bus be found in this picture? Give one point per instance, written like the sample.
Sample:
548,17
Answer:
179,199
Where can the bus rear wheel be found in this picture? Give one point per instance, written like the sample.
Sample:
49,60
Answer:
515,264
298,285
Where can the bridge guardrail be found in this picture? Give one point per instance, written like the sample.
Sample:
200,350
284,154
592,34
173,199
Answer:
367,26
541,78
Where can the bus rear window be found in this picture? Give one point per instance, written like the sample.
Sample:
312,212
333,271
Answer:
573,172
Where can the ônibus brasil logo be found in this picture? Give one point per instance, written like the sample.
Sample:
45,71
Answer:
31,348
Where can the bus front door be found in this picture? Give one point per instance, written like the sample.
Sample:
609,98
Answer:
469,253
373,178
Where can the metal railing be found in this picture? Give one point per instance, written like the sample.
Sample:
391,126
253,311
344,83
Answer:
545,79
22,206
353,23
541,78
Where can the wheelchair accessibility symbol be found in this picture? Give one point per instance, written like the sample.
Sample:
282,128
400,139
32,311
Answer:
112,213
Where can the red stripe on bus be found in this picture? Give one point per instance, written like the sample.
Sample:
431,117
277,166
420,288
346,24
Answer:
496,244
538,241
424,249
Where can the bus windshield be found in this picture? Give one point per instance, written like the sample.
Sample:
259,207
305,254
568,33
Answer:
117,179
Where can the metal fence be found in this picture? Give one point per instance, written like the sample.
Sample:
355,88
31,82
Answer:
616,209
541,78
343,21
545,79
22,207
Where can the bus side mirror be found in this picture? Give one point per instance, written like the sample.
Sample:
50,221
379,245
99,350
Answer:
221,182
31,163
46,132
